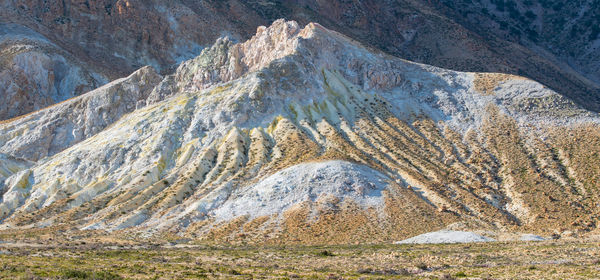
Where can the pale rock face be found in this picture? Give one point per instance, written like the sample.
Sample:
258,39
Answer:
244,134
10,165
306,182
225,61
35,73
446,236
531,237
51,130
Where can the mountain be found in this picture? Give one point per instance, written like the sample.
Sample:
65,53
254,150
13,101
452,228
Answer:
96,41
303,135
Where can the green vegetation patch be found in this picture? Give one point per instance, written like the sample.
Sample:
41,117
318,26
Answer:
499,260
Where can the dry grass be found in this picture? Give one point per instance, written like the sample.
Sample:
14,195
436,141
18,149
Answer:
486,83
545,260
499,177
543,175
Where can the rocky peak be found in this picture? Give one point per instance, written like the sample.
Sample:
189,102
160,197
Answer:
225,61
312,48
101,40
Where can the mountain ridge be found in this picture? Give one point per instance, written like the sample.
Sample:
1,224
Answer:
488,151
441,33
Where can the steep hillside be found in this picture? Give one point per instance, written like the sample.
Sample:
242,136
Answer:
568,30
55,50
116,37
55,128
302,135
35,73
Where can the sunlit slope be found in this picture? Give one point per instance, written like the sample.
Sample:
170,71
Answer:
305,136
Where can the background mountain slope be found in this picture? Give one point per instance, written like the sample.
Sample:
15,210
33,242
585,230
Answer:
116,37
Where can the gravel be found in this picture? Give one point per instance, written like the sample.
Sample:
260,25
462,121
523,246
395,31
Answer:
446,236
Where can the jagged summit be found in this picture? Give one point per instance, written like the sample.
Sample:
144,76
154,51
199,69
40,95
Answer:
300,133
74,46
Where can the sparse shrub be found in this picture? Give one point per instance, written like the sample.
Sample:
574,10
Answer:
460,274
422,266
401,271
106,275
325,253
75,274
365,271
82,274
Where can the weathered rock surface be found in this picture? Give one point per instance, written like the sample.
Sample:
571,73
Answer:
35,73
446,236
10,165
116,37
53,129
319,140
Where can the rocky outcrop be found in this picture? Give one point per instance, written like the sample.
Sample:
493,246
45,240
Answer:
53,129
10,165
116,37
121,36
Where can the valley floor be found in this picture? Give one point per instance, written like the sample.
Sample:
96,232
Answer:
495,260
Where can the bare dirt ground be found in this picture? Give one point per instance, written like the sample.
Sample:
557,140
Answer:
494,260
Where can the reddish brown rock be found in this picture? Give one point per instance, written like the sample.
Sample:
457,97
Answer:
116,37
